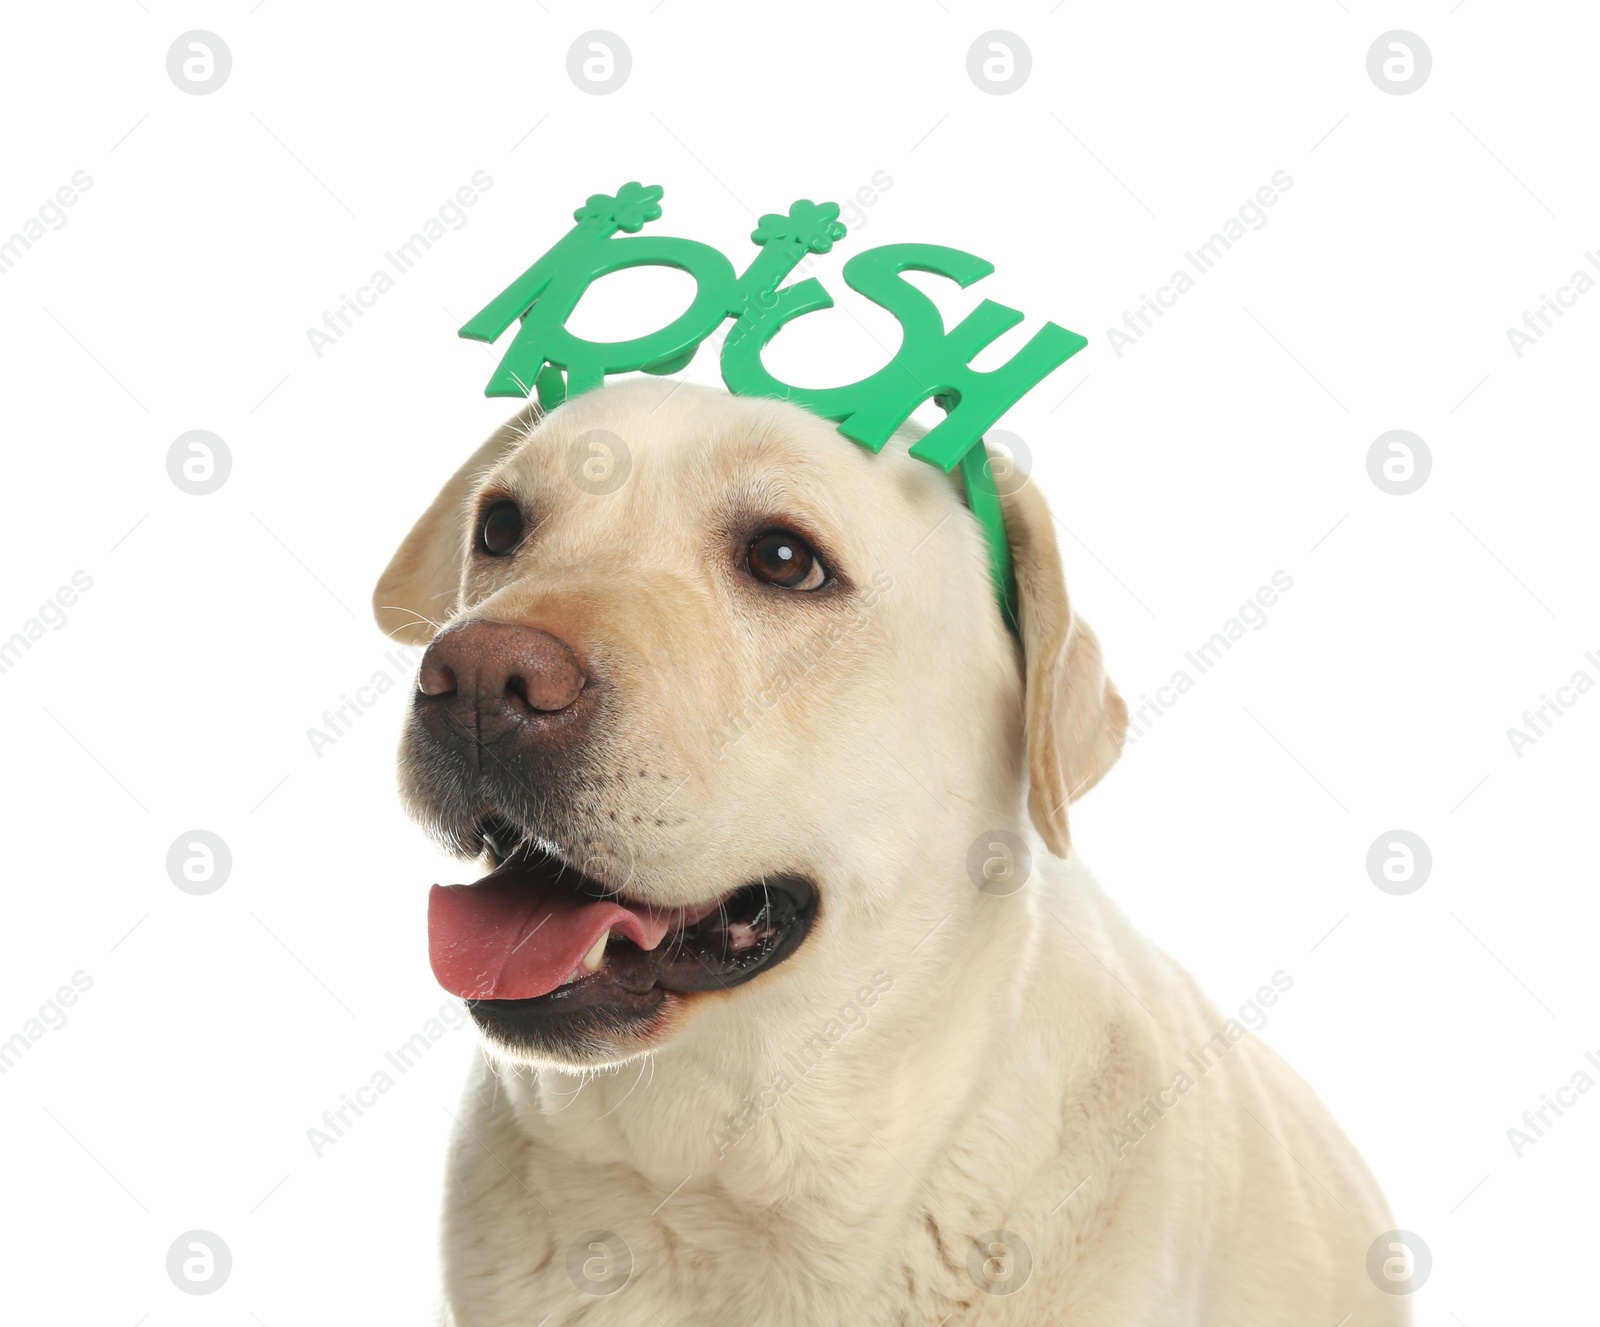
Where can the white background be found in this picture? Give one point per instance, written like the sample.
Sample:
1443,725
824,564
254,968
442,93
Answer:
1229,443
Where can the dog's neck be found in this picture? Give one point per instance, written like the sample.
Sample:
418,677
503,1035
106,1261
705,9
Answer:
815,1127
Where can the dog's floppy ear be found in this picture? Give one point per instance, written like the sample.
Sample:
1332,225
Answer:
1075,720
418,588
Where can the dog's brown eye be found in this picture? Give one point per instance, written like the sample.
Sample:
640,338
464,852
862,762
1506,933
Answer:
786,560
500,530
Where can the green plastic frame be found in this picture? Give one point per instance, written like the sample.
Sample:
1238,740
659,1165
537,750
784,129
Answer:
931,363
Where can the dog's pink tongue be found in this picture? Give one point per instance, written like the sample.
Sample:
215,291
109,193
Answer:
505,938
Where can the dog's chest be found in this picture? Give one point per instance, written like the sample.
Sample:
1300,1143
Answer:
529,1234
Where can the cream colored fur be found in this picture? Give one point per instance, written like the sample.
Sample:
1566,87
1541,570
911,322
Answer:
871,741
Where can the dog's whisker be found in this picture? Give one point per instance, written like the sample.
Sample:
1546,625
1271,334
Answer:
416,618
643,1063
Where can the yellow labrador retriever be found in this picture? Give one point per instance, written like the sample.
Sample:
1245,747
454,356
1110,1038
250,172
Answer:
797,1006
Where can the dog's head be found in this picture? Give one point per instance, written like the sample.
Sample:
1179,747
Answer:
722,699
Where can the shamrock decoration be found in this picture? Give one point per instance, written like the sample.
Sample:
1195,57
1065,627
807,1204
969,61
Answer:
629,210
814,225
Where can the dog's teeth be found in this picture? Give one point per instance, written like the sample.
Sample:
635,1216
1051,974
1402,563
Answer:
596,956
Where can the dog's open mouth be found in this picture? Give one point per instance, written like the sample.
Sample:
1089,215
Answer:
536,930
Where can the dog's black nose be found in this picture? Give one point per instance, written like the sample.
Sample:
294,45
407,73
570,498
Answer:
480,680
